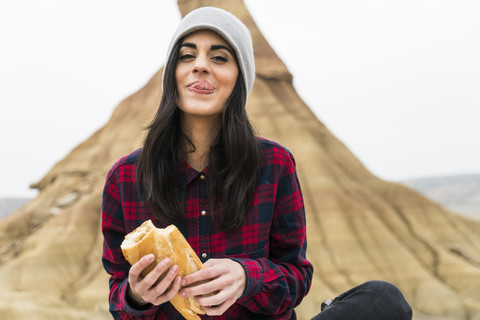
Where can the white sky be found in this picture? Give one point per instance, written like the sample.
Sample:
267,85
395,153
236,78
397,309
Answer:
397,81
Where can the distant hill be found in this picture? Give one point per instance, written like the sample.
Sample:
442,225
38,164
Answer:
460,193
8,205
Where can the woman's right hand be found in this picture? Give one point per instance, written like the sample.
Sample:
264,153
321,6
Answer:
142,291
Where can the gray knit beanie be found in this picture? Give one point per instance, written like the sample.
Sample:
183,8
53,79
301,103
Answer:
230,28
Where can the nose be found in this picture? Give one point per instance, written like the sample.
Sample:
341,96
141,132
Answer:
201,64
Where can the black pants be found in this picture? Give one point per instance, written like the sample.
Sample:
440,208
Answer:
373,300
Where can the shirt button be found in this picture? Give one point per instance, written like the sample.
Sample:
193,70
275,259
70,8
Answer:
203,212
204,255
202,177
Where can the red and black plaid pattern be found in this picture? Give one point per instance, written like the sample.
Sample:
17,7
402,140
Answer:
271,244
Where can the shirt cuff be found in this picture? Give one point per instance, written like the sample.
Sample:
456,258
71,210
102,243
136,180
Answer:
254,277
150,311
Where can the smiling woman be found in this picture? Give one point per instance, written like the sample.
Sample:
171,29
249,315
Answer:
234,196
206,75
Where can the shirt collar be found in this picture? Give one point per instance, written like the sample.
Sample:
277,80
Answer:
187,174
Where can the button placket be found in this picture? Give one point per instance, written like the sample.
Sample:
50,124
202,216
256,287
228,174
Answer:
204,219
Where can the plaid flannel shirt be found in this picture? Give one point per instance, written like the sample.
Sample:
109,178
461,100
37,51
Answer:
270,245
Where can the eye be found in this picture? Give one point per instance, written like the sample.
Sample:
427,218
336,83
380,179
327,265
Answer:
219,58
186,57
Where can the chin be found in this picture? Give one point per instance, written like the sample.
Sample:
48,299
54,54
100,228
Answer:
201,109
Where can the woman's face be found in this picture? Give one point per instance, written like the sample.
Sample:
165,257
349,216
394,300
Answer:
206,73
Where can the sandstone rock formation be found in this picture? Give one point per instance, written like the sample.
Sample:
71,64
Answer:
359,227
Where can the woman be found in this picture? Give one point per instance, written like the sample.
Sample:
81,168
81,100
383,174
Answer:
234,196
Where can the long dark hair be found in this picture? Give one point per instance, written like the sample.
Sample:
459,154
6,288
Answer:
234,158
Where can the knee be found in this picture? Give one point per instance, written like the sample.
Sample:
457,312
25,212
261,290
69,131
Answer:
389,295
381,286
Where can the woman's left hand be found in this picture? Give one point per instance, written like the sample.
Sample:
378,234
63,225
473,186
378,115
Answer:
225,278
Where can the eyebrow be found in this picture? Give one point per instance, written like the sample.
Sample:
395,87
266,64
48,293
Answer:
212,47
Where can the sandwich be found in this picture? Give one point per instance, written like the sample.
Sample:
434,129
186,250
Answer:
165,243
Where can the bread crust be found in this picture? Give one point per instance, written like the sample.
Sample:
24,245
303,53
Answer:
165,243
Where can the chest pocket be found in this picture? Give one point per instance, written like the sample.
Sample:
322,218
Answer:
261,253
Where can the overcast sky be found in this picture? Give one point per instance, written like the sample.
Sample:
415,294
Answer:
397,81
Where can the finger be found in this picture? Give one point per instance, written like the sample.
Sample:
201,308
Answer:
214,298
151,278
166,282
175,288
155,294
201,275
139,266
212,262
204,288
214,311
168,295
218,310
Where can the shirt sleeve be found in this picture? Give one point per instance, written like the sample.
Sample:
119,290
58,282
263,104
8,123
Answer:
113,229
277,284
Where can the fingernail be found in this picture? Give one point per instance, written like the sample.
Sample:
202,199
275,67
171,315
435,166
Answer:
174,269
182,293
150,258
166,261
184,282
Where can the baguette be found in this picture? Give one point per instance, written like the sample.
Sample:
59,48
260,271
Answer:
165,243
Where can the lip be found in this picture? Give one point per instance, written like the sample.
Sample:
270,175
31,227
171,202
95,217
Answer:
202,87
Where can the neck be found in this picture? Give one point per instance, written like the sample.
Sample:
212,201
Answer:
201,131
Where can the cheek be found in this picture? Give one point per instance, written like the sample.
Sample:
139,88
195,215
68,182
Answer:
230,79
180,73
178,83
177,79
